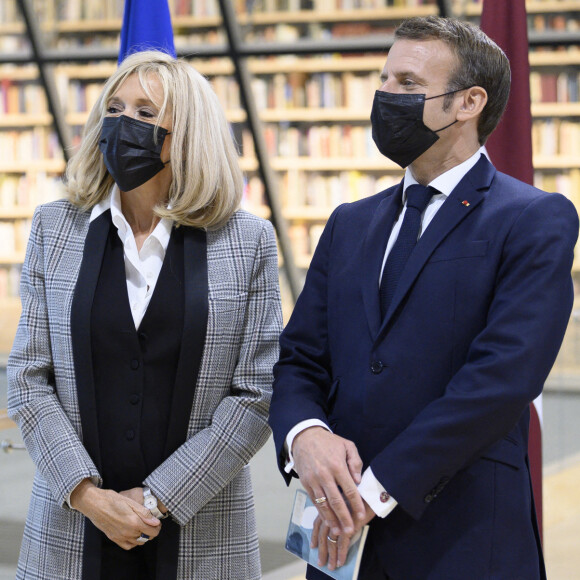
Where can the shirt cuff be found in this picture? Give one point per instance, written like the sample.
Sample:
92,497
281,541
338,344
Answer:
376,495
302,426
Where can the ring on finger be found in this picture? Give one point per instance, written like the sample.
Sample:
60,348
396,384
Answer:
143,538
331,540
320,500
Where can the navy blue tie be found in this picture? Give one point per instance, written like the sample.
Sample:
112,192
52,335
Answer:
418,197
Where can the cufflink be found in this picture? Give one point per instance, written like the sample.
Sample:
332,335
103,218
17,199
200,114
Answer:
384,497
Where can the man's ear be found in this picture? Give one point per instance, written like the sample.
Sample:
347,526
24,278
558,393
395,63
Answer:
472,103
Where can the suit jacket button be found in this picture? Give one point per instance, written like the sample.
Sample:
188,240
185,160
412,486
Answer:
429,498
130,434
376,367
384,497
134,364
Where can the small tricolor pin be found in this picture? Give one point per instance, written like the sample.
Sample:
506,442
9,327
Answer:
465,203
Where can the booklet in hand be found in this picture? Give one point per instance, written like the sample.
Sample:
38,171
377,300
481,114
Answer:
300,533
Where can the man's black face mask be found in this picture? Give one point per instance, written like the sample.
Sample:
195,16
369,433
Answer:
130,151
398,129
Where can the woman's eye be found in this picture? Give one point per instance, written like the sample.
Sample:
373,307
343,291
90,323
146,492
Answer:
113,109
147,114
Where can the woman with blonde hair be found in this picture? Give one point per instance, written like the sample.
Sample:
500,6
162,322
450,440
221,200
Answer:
140,375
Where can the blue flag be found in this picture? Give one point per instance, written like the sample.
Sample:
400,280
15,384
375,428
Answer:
146,26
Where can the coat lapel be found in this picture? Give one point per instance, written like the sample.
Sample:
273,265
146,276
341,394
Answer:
373,253
193,340
81,330
471,189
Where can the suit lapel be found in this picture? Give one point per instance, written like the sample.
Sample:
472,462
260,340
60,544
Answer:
81,330
194,331
373,253
466,196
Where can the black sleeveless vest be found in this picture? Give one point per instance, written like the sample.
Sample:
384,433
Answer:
134,370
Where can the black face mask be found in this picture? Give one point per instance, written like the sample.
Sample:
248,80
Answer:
398,128
130,151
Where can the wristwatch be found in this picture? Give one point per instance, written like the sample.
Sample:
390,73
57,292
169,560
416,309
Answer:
151,502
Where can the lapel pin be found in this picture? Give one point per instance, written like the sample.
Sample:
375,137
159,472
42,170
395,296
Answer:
465,203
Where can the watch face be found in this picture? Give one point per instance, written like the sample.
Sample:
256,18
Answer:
150,503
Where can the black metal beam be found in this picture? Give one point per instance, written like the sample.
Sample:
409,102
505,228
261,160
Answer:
304,47
243,78
46,75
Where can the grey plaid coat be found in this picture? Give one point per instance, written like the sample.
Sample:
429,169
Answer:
205,483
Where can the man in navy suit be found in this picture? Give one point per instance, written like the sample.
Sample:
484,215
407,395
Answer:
424,331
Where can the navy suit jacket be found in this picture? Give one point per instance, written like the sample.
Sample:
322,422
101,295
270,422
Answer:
436,396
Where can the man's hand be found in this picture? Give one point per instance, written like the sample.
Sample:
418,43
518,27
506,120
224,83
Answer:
119,517
335,552
326,462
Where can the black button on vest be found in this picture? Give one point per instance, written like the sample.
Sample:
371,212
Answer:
134,370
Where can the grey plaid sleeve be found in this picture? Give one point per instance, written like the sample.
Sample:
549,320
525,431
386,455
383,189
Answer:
33,402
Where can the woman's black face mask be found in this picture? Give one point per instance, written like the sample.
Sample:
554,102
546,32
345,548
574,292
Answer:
130,151
398,129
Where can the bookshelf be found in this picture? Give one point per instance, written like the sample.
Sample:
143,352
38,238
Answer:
315,109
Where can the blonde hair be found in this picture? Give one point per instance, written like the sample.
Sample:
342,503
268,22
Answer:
207,183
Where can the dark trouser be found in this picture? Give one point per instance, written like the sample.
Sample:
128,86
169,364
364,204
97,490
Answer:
136,564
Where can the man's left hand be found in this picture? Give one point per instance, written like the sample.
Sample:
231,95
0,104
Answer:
334,552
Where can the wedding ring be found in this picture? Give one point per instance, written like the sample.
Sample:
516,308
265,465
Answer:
320,500
143,538
331,540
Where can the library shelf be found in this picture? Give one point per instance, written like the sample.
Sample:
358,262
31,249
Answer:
13,258
305,220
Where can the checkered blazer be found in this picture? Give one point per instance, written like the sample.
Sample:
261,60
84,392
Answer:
205,483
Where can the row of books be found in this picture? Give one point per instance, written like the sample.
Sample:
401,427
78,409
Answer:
300,191
555,87
33,144
22,97
14,236
13,43
567,183
318,141
279,91
10,281
28,189
556,137
56,10
284,33
59,10
544,22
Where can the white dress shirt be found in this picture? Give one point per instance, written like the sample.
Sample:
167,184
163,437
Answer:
370,488
142,267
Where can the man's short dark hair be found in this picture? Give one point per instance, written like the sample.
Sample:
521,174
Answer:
480,62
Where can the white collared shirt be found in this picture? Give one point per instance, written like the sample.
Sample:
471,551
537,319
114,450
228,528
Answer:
142,267
370,488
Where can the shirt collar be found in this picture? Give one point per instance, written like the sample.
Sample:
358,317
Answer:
446,182
161,233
